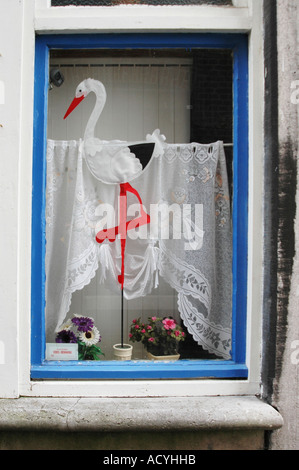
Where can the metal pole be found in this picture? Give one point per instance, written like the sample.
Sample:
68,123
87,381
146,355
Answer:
122,318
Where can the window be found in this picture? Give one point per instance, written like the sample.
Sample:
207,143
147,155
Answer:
129,64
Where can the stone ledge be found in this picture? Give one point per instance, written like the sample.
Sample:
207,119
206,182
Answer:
137,414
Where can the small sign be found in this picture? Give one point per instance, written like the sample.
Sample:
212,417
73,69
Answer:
61,352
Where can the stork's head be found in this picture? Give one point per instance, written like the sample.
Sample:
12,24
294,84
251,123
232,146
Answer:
82,90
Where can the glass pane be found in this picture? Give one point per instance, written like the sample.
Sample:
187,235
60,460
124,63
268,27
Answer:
187,95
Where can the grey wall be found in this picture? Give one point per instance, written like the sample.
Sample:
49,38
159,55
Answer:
285,392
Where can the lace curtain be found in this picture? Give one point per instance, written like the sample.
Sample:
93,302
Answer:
184,188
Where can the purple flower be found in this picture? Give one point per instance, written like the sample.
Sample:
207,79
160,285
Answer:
83,323
66,336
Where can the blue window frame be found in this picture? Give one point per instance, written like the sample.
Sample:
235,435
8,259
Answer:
234,368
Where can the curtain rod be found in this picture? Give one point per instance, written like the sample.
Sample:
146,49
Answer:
120,65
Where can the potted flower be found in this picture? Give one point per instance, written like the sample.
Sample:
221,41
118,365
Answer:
81,330
160,336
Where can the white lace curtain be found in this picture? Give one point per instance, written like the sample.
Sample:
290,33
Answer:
184,188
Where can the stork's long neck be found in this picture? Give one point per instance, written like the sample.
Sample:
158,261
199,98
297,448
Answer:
100,93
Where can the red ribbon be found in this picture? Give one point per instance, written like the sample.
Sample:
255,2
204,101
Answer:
124,225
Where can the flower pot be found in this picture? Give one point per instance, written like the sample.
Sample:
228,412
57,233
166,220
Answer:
172,357
123,352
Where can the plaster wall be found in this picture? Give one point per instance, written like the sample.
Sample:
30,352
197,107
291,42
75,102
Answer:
16,115
286,384
10,109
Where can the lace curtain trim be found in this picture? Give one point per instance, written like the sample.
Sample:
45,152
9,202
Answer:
189,282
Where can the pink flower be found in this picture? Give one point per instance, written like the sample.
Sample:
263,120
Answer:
143,331
151,340
136,327
149,327
177,333
169,324
130,335
183,334
134,321
154,318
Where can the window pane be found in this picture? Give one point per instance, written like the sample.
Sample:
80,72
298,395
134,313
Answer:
188,96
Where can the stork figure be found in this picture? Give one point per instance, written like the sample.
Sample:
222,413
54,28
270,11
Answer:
114,162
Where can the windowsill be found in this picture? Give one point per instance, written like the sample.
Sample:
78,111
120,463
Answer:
228,413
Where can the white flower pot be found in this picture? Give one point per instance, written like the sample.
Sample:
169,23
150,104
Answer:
122,353
172,357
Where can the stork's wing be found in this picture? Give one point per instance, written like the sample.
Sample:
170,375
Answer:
125,165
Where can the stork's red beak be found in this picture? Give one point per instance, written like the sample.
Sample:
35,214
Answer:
73,105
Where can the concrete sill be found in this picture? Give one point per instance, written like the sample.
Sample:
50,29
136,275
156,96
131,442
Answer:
137,414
